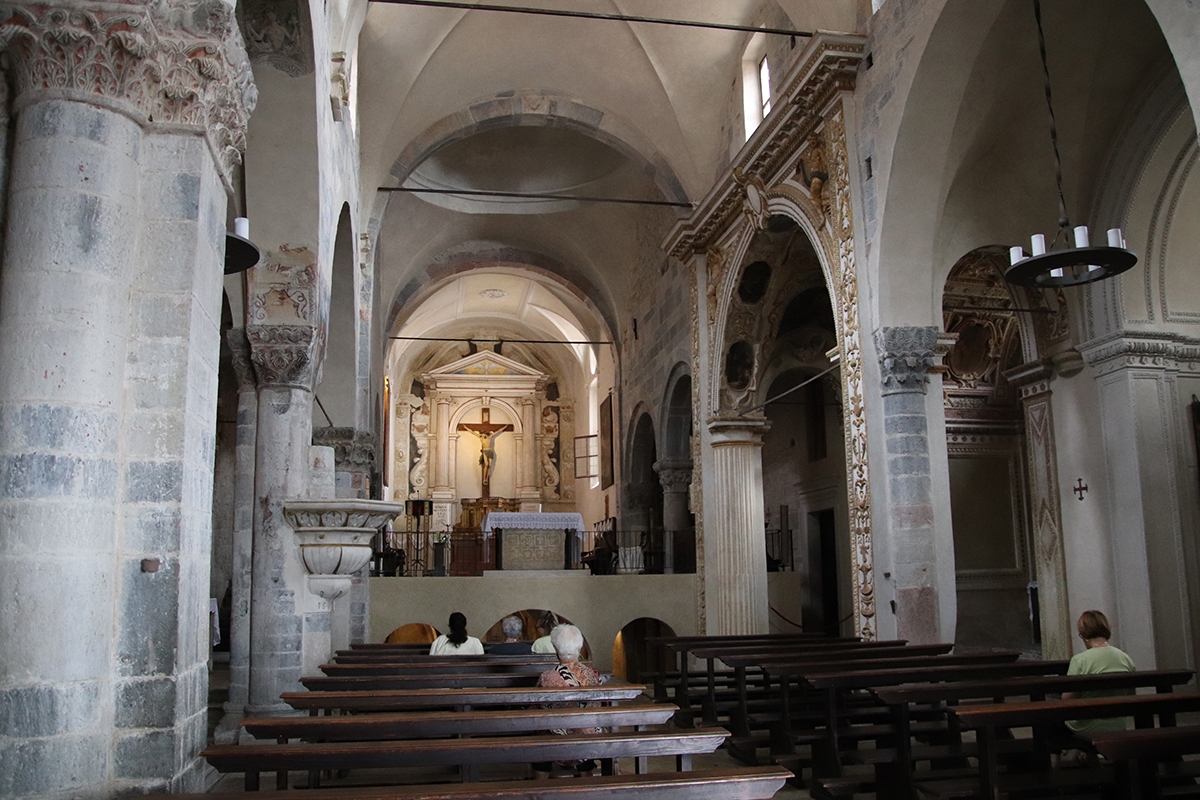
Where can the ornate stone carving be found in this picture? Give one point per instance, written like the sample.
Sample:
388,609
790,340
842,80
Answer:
549,440
335,538
353,451
180,63
906,357
278,33
675,477
1142,351
243,366
282,355
845,291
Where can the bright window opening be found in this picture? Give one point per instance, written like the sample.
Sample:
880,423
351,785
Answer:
764,86
756,83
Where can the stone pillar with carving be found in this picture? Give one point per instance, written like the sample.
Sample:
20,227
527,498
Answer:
1048,551
676,479
109,345
243,537
906,357
283,362
529,490
441,481
1148,461
735,552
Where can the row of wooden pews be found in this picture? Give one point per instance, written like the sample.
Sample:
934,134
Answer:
903,721
392,708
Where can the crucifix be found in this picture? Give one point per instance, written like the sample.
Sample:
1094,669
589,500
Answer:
487,431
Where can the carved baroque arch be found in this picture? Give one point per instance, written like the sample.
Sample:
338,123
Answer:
762,183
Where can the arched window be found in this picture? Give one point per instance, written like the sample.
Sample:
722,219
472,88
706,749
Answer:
756,83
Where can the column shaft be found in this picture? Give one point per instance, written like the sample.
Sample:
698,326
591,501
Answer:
734,545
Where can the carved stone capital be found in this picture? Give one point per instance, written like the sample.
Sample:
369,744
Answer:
174,63
243,366
353,451
906,357
675,476
282,355
1161,351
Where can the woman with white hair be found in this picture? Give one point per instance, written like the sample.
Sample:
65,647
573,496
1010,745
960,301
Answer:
512,644
570,671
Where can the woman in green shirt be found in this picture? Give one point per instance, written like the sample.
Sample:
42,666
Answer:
1099,657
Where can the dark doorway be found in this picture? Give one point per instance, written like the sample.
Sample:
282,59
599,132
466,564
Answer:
822,572
633,658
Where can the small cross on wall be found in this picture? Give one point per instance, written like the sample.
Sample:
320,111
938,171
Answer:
1080,488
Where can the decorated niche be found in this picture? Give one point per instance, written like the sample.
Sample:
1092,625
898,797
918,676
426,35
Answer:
482,427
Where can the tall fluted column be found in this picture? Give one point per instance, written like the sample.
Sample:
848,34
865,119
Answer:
109,341
905,358
243,537
735,551
676,479
282,356
442,479
529,491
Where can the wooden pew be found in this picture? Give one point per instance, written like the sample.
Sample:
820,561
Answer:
826,762
988,719
454,680
429,724
252,760
897,773
1137,753
756,783
459,699
376,656
436,668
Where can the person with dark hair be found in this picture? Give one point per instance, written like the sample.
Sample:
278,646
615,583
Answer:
512,644
547,624
457,642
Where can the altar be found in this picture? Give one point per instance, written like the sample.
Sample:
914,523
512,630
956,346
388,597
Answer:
535,541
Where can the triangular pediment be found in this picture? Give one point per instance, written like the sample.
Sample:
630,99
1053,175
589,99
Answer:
485,364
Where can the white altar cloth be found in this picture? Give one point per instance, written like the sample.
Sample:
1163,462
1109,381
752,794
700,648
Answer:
527,520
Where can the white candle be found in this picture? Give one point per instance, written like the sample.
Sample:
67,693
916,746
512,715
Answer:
241,226
1016,255
1081,236
1037,243
1115,239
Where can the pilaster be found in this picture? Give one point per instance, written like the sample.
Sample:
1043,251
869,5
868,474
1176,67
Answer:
1045,502
1140,420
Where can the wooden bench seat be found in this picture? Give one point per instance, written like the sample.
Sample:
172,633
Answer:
719,784
1138,754
432,681
468,753
413,725
436,668
405,699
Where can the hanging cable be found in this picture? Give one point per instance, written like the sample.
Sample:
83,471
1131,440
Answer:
553,12
1064,222
767,402
536,196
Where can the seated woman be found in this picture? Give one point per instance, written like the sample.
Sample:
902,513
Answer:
570,671
456,643
1097,657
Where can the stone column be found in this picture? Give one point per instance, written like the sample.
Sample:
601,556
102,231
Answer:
676,479
243,538
441,481
905,358
529,491
282,356
109,343
735,549
1140,416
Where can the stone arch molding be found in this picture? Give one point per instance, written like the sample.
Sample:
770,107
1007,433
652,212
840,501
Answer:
538,108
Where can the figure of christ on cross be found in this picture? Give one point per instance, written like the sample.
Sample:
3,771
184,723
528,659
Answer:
487,431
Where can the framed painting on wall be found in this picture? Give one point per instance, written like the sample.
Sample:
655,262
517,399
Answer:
606,449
